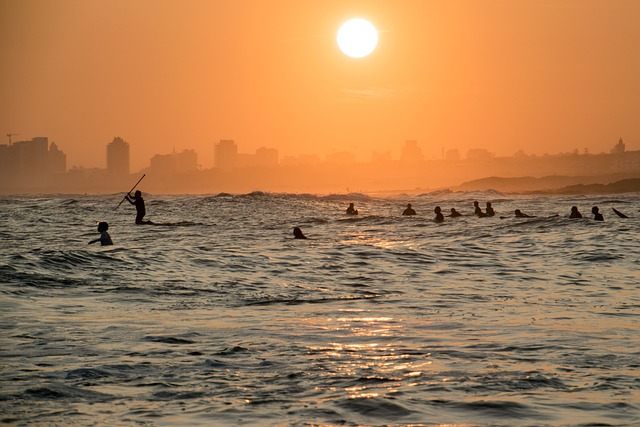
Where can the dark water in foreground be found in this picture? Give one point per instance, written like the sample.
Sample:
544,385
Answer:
221,318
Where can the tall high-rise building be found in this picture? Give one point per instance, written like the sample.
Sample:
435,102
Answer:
411,152
30,164
57,159
225,154
118,157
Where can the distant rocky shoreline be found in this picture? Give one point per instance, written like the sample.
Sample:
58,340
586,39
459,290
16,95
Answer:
565,185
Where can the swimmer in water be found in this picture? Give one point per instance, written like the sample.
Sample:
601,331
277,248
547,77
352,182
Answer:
454,213
439,217
596,214
104,239
575,213
477,210
297,233
409,210
351,210
519,214
489,211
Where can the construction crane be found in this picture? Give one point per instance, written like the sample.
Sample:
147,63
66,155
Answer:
9,135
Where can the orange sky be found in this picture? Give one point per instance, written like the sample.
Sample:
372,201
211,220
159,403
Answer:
543,76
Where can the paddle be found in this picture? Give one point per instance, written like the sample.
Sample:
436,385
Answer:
132,188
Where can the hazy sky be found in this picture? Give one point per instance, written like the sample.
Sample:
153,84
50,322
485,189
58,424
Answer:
543,76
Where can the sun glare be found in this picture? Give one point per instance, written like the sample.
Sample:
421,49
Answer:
357,38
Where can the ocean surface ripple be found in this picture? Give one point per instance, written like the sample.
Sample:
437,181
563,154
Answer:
217,316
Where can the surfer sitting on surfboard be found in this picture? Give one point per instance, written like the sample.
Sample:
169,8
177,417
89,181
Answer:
477,210
409,210
575,213
596,214
297,233
138,201
454,213
439,217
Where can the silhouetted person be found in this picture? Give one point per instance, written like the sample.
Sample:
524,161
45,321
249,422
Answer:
596,214
409,210
351,210
454,213
575,213
519,214
439,217
105,239
138,201
489,211
297,233
477,210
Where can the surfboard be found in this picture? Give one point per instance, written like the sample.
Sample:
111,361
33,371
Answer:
620,214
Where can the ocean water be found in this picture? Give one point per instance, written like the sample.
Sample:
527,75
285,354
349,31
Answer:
217,316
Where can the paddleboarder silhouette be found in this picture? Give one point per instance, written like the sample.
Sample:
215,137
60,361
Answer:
138,202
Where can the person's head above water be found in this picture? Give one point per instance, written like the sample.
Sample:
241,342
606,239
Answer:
574,209
437,209
103,226
594,210
408,205
138,193
297,233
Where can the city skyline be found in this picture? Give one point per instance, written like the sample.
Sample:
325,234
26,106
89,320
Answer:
405,149
36,166
538,76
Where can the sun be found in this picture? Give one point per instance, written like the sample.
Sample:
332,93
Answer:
357,38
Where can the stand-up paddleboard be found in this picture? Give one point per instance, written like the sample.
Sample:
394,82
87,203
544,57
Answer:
620,214
171,224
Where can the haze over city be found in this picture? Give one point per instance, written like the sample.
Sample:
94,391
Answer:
537,76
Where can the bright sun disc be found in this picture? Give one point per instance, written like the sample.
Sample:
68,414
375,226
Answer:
357,38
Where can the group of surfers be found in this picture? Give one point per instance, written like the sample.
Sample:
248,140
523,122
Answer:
488,212
138,202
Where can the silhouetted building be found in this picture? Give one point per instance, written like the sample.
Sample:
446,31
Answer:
186,161
411,153
225,154
478,154
618,148
57,159
163,164
28,165
267,157
174,163
118,157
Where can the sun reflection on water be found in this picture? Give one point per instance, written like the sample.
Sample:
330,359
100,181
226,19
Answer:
369,362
